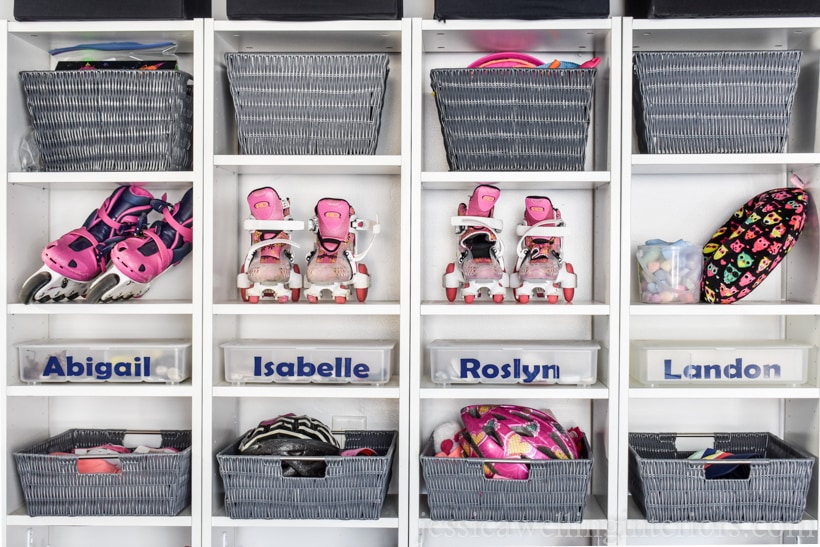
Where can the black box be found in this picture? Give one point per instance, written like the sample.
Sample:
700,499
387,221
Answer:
731,8
521,9
314,10
94,10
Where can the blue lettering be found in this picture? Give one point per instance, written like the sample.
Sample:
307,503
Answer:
469,367
325,370
667,371
284,368
361,371
305,368
53,367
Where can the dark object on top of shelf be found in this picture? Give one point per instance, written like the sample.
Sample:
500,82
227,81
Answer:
94,10
669,487
520,9
752,243
149,485
714,102
314,10
725,8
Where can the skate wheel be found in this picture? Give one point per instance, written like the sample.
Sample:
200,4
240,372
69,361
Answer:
569,294
340,299
32,285
312,299
101,286
452,292
283,299
361,294
252,299
552,298
523,299
469,298
498,298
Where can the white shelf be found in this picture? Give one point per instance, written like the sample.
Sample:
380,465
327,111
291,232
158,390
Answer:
511,307
388,519
429,390
69,389
132,307
545,180
304,165
21,518
327,391
325,307
736,308
53,34
679,164
717,392
84,181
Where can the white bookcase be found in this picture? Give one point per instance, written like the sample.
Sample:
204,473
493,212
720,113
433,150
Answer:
620,199
39,207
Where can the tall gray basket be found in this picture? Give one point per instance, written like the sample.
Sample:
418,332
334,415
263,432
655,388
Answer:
149,485
514,119
714,102
668,487
353,488
556,490
307,104
111,120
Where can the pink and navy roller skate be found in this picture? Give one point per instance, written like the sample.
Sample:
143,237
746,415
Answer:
73,261
335,263
141,258
540,269
480,253
268,270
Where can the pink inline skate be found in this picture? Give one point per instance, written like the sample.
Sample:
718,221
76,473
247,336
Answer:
73,261
540,269
480,253
268,270
141,258
335,263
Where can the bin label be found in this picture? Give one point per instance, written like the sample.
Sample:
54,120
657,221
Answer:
99,370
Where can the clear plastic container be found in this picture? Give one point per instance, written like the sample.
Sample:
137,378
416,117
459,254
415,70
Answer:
67,360
723,363
321,362
670,274
513,362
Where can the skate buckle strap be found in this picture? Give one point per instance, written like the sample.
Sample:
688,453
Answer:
288,225
363,224
186,233
541,231
265,243
460,222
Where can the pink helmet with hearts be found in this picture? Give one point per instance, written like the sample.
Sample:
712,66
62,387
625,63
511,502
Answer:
515,432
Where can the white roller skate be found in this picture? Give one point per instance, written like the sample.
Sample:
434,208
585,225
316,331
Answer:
140,258
77,258
480,253
335,263
540,269
268,270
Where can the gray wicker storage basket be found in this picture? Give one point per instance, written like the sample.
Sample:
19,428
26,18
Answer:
149,485
353,488
714,102
668,487
556,490
111,120
514,119
307,104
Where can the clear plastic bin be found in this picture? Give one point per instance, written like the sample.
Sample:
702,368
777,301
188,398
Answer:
725,363
508,362
58,360
321,362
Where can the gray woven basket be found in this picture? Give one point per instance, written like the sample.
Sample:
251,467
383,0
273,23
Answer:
353,488
556,490
514,119
150,484
669,488
714,102
307,104
111,120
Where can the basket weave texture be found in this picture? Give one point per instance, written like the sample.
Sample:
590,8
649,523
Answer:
111,120
714,102
556,490
514,119
149,485
307,104
353,488
669,488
